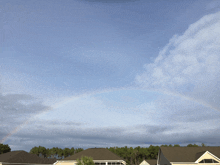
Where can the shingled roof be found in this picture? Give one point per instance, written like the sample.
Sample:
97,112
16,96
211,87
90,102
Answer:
96,154
187,154
24,157
152,161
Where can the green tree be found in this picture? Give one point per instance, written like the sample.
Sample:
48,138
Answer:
48,154
125,154
176,145
43,151
153,151
164,145
66,152
4,148
134,156
130,155
72,151
191,145
54,152
145,153
85,161
138,157
60,153
35,150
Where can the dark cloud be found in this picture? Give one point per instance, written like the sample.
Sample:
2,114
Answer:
155,129
15,109
79,137
12,104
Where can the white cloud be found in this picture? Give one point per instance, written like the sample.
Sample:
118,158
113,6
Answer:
189,64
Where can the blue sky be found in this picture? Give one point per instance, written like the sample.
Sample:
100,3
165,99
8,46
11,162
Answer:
105,73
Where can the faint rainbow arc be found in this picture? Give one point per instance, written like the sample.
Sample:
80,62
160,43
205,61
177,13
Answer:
105,91
54,106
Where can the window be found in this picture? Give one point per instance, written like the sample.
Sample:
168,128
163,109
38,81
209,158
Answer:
208,161
214,161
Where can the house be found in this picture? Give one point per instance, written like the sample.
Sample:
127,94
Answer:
149,162
23,158
188,155
100,156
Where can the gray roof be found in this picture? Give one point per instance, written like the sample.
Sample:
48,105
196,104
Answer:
96,154
152,161
187,154
24,157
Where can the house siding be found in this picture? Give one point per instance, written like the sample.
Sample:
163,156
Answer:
65,163
163,160
73,162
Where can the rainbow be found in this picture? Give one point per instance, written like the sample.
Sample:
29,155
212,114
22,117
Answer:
105,91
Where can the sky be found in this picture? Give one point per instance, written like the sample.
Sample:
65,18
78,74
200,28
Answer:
107,73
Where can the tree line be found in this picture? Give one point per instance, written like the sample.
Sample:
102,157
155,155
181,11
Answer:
132,156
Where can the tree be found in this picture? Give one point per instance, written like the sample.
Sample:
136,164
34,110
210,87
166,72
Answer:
176,145
134,155
43,151
191,145
138,148
54,152
60,153
66,152
144,153
164,145
125,154
4,148
203,145
48,152
35,150
72,151
153,151
130,155
85,161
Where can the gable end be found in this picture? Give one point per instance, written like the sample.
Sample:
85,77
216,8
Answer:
204,156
